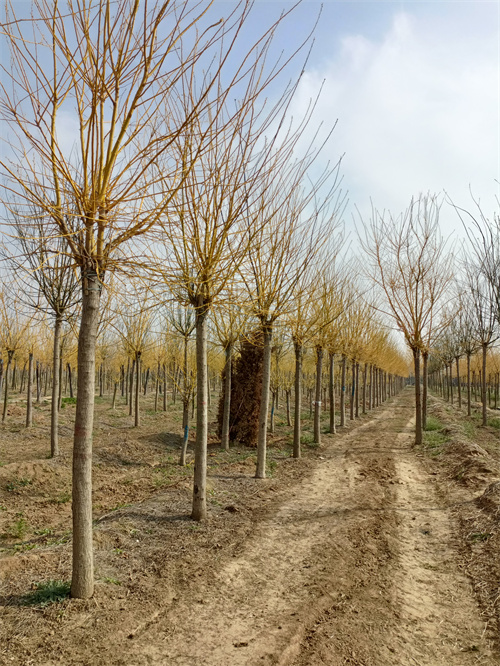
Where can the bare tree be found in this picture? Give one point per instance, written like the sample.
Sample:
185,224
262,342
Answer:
409,263
122,75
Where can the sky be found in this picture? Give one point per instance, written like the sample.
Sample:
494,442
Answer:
415,90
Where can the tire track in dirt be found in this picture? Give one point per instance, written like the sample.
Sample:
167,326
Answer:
355,568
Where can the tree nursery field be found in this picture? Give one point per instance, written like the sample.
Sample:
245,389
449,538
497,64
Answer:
367,550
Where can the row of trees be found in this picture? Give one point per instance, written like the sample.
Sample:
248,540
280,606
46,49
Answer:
144,160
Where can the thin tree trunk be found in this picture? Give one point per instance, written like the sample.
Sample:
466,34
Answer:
137,415
10,354
457,361
29,402
468,386
357,390
200,454
365,377
59,393
425,357
185,429
298,398
113,405
483,384
164,387
37,383
353,391
70,378
288,415
342,393
260,472
317,402
227,397
418,398
131,389
331,389
54,410
82,584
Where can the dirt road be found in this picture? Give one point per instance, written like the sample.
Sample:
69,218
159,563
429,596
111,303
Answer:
357,567
350,557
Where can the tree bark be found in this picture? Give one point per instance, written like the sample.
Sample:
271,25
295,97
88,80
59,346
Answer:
353,391
342,393
483,384
298,398
227,397
425,357
317,402
10,354
260,472
331,389
137,419
82,584
200,452
29,401
418,398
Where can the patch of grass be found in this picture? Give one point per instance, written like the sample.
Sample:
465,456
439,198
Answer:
47,593
434,441
306,438
15,484
271,467
46,531
22,547
62,498
469,429
433,424
494,423
476,537
68,401
18,529
112,581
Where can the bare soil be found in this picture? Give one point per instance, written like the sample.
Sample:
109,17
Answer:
359,553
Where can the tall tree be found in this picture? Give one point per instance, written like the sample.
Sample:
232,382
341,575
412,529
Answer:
122,75
410,265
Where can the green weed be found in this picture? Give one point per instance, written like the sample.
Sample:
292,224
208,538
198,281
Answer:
433,424
47,593
15,484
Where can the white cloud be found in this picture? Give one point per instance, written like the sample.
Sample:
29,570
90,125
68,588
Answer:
418,111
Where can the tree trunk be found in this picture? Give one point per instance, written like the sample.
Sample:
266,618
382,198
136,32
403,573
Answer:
331,389
418,398
82,584
10,354
164,387
353,391
200,453
227,397
365,378
137,415
425,357
37,383
29,402
54,410
288,416
298,398
457,361
260,472
483,384
131,389
468,386
113,405
70,378
317,402
185,430
342,393
357,390
59,394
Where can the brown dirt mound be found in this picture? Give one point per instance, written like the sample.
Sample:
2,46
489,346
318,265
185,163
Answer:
471,463
490,499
